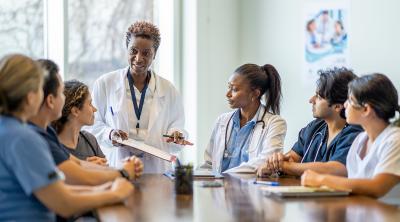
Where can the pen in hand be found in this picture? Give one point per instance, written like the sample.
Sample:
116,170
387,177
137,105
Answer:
172,137
177,138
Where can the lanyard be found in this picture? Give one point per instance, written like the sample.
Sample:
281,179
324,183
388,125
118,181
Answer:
138,110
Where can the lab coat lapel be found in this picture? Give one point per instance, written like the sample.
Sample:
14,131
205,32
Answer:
157,104
224,132
120,89
120,95
255,140
256,137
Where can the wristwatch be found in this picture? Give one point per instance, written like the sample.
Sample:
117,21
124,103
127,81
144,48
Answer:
124,173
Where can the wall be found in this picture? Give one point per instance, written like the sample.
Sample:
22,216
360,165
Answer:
210,54
271,32
230,33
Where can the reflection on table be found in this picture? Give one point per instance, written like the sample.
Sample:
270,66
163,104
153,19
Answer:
239,199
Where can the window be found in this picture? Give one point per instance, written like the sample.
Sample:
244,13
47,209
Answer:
96,35
21,27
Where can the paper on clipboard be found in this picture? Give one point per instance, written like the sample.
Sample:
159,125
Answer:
148,149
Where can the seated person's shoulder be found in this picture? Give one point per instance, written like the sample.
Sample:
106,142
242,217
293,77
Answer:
24,137
315,125
353,129
88,135
393,133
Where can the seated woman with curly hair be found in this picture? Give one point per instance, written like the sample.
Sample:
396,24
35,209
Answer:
77,112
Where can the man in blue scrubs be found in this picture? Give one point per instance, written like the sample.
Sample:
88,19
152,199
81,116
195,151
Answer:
323,144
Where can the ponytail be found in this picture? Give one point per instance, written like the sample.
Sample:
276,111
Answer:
273,92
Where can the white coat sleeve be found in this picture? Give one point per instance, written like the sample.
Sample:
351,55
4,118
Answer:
100,129
177,114
208,158
272,142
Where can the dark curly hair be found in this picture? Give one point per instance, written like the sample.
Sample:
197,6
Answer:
75,95
145,30
332,84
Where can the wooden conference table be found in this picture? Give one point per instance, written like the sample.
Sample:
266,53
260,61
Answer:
154,199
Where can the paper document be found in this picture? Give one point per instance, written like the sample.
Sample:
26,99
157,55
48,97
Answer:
293,191
148,149
241,169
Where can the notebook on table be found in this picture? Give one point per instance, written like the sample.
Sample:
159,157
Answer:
302,191
206,174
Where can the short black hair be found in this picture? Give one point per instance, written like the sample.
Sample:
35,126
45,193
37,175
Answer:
332,84
51,82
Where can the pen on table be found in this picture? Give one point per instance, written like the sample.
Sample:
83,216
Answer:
169,136
269,183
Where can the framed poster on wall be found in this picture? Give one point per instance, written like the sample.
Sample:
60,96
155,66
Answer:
326,36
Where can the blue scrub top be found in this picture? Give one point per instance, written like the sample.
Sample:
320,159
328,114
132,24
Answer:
58,151
25,166
314,137
238,144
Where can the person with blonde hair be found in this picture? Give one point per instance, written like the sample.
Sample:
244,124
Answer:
29,176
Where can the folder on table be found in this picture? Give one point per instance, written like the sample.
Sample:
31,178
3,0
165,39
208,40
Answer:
302,191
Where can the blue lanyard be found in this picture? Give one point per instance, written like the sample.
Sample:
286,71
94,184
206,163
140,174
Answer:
138,110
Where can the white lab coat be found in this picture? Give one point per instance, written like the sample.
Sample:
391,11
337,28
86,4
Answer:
263,142
167,115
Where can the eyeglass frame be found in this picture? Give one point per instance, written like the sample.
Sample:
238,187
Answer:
354,104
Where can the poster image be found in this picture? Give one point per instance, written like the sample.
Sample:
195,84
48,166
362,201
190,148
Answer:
326,42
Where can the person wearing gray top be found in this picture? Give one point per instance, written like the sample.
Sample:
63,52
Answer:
77,112
87,146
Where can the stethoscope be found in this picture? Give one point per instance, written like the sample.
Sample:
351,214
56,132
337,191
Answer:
323,134
226,152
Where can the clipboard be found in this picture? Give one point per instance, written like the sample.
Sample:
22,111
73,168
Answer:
148,149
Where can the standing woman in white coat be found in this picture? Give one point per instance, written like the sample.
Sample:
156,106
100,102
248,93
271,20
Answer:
242,139
135,102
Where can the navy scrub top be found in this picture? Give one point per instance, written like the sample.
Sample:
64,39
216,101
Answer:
59,153
314,137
